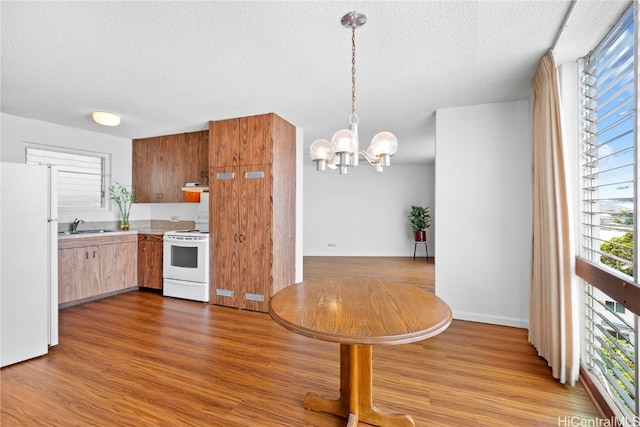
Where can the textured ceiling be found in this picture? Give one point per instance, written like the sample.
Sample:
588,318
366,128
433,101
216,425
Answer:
169,67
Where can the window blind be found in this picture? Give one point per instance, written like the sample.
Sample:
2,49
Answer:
81,178
608,151
609,186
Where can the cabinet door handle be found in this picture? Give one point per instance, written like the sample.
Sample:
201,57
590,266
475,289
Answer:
241,238
235,237
86,255
94,254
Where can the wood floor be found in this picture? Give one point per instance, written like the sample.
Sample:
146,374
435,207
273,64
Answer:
140,359
420,272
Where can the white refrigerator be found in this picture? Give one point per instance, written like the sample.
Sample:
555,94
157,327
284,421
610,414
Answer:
28,261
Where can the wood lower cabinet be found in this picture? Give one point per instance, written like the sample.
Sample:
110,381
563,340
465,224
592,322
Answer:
78,273
162,165
252,211
92,266
150,247
118,266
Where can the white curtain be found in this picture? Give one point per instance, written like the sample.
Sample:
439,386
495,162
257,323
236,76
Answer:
553,325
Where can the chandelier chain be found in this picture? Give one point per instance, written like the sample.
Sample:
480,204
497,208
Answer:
353,71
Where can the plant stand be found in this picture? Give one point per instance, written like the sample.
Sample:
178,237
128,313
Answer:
426,248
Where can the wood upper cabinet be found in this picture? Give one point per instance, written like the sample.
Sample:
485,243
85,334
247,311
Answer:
93,266
147,160
162,165
242,141
150,254
252,210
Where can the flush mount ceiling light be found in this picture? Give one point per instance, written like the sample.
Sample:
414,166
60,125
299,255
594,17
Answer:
105,118
343,150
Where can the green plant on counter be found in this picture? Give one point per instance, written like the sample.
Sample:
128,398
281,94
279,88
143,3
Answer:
124,198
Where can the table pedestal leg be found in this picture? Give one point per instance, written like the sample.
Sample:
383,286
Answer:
356,397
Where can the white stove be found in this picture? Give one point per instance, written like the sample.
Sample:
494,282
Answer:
185,265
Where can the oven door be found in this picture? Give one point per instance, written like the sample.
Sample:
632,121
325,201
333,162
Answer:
186,258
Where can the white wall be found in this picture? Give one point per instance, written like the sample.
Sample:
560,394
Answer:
16,131
365,213
483,206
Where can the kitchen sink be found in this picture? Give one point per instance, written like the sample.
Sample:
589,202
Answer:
86,231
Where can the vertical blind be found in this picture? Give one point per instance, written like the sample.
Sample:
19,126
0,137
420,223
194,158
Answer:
81,178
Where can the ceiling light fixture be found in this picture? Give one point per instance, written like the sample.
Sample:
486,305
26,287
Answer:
105,118
343,150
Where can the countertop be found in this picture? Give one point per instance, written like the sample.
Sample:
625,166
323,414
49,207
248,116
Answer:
155,231
105,234
156,227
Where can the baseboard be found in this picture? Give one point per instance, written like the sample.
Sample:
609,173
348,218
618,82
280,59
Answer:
64,305
494,320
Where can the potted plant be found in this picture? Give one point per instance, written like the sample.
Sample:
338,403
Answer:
420,220
124,199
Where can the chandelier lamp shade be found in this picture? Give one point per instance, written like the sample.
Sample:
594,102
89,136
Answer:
343,151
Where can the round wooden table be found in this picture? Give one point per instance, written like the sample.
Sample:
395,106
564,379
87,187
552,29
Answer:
358,312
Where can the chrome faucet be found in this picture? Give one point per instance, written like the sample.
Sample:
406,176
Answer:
76,222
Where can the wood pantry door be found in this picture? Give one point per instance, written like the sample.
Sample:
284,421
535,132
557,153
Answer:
255,223
241,235
223,193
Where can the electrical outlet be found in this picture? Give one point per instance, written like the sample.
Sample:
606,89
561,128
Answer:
332,245
174,219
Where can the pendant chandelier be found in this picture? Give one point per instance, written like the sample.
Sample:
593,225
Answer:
344,149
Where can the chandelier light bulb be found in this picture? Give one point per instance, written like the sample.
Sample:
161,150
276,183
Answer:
320,150
344,141
384,143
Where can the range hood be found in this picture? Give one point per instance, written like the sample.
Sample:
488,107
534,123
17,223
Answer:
196,187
